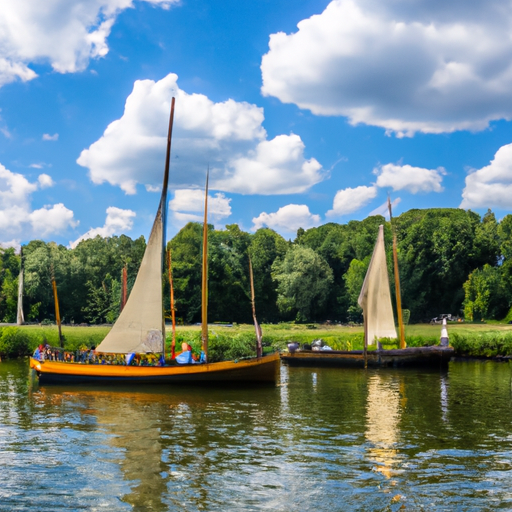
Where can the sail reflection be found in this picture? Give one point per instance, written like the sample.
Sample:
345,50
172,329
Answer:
383,414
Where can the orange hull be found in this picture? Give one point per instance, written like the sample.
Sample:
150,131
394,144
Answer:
265,369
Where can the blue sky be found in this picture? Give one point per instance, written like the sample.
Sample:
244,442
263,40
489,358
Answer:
306,112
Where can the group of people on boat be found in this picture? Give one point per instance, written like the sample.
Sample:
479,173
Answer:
90,356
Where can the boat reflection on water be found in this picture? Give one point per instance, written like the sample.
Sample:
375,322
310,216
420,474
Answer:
166,449
386,401
137,430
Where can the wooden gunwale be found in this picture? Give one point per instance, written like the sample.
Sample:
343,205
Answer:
250,370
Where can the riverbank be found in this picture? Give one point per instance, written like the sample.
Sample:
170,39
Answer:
231,341
228,341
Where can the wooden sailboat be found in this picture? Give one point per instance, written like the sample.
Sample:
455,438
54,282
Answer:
140,329
375,300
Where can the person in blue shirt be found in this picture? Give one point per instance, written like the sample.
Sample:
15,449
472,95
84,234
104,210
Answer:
185,356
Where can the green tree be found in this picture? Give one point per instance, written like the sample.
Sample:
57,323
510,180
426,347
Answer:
9,271
354,279
484,294
266,247
304,279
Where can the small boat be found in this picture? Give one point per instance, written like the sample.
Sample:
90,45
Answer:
375,300
140,329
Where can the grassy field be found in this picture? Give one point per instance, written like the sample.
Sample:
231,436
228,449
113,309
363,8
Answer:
484,339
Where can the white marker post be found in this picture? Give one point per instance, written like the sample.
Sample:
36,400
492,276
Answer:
444,335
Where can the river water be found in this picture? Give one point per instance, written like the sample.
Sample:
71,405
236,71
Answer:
323,440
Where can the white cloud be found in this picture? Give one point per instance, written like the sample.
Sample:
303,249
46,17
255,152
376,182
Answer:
406,177
188,205
351,199
275,166
16,243
227,137
426,66
117,222
45,181
51,219
47,136
16,214
287,219
491,186
64,33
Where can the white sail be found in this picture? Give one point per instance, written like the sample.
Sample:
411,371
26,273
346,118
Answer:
375,297
140,327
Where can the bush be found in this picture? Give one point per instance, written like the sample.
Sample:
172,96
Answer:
490,344
221,347
13,342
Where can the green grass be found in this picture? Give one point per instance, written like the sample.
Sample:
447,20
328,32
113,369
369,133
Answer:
238,341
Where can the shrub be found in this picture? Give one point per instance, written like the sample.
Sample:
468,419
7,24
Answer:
13,342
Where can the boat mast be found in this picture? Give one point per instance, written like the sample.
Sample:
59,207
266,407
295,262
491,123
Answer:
163,206
173,315
204,284
56,300
397,280
20,320
124,287
259,348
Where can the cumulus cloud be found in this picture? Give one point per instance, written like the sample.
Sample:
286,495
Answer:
16,213
51,219
287,219
188,205
491,186
228,137
423,66
351,199
15,243
117,222
64,33
45,181
406,177
47,136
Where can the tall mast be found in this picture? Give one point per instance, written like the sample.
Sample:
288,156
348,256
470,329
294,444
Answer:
173,315
397,280
124,287
56,301
163,206
259,348
204,284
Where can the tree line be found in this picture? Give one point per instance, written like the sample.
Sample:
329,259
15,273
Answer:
450,260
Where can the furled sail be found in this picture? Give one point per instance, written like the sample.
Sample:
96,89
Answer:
140,327
375,297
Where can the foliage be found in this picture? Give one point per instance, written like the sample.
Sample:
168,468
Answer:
490,344
484,294
318,276
303,278
13,342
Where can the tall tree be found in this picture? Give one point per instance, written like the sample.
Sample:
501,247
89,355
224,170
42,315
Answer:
303,283
266,246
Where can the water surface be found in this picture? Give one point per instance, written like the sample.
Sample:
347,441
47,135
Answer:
323,439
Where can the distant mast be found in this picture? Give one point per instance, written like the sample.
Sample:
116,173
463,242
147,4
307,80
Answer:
124,288
20,320
257,328
204,282
57,311
397,281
